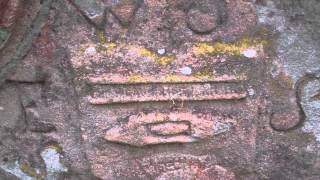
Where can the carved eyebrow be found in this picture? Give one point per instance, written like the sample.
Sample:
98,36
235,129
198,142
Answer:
109,79
102,95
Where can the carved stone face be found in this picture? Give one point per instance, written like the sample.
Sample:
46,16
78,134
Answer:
168,76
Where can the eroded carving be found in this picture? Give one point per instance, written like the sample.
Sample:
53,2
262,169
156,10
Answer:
177,166
9,10
92,10
204,17
171,92
125,10
161,128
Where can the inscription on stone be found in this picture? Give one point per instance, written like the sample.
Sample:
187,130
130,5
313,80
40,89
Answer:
177,166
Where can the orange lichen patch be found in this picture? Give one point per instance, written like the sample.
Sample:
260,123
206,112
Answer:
232,49
170,78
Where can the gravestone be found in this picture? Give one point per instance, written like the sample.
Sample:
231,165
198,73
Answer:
149,89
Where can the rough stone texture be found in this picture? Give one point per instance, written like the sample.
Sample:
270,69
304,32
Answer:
159,89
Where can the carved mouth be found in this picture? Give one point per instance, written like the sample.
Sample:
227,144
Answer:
161,128
149,89
170,128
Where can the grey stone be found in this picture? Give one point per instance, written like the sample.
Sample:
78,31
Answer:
202,22
125,10
29,73
10,107
92,9
35,124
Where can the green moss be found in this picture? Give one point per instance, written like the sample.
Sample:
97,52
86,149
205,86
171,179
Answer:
101,37
55,147
25,168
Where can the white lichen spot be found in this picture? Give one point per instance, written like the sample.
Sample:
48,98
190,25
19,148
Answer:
161,51
221,128
186,70
251,92
54,166
1,108
90,51
250,53
14,168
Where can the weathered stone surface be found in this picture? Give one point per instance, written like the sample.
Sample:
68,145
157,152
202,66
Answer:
203,22
34,122
23,23
11,113
94,10
28,73
159,89
7,176
125,10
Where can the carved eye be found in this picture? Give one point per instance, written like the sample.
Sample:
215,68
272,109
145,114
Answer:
203,22
204,17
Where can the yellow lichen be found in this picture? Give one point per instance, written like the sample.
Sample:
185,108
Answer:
161,60
106,47
165,60
204,74
55,147
81,49
145,52
135,79
101,37
172,78
233,49
25,168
